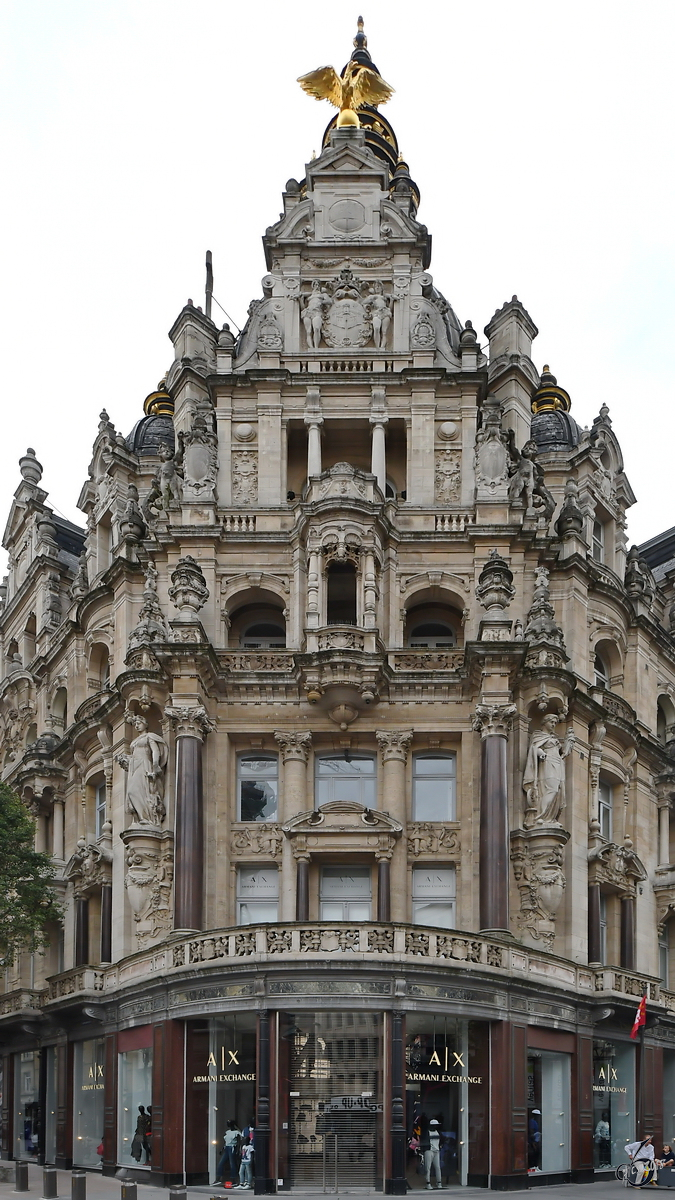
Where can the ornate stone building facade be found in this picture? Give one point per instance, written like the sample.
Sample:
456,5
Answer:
349,721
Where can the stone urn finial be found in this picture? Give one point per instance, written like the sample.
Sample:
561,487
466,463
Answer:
30,468
495,589
188,591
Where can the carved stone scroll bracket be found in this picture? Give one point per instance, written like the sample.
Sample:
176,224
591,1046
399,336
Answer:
148,882
493,720
537,857
190,720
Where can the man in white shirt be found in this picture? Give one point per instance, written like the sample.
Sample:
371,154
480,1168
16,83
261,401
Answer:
641,1151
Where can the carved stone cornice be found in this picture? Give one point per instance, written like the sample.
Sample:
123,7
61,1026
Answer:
190,720
394,743
617,868
293,746
493,720
342,826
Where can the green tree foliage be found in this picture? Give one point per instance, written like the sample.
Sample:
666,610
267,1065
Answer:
27,899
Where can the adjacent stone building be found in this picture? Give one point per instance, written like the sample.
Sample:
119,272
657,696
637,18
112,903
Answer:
348,719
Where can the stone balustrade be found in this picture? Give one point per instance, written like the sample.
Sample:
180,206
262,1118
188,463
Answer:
238,523
23,1000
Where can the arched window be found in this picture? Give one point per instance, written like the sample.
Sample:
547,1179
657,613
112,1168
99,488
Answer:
258,625
98,679
432,627
606,809
341,594
263,635
60,711
665,720
601,672
598,549
432,635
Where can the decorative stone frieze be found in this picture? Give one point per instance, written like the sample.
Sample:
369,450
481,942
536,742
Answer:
424,838
261,839
244,477
537,857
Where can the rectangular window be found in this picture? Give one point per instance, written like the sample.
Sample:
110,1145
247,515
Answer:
100,808
88,1086
134,1121
598,541
605,810
663,963
603,929
346,894
434,893
434,784
257,895
257,787
346,777
27,1105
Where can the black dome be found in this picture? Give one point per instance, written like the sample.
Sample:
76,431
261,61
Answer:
148,434
555,430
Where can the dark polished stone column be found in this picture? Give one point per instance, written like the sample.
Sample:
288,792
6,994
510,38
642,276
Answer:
192,724
628,933
264,1184
494,722
81,932
106,923
302,890
594,946
383,890
397,1184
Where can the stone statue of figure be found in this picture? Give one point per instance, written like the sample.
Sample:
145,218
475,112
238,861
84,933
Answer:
145,765
169,479
544,775
380,314
528,477
312,317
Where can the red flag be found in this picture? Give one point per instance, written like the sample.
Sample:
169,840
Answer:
640,1017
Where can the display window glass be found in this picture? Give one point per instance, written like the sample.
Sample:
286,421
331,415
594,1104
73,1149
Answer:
257,895
88,1088
433,896
27,1104
346,777
613,1101
50,1104
134,1121
257,787
345,894
221,1083
669,1096
548,1111
434,780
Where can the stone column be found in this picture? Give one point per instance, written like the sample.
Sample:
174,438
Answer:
57,830
594,941
394,745
294,750
378,454
628,933
313,423
664,832
40,832
493,721
264,1185
106,923
397,1185
192,724
384,888
81,931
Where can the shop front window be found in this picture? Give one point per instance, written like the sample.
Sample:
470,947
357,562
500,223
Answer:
50,1105
88,1086
221,1083
134,1121
669,1096
548,1109
613,1102
27,1104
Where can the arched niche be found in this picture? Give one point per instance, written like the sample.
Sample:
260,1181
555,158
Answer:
607,665
257,620
98,670
432,620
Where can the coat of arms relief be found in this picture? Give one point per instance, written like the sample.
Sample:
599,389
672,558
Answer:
346,313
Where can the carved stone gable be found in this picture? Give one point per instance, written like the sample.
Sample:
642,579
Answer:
342,825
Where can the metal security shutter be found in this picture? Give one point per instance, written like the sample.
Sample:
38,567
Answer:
335,1104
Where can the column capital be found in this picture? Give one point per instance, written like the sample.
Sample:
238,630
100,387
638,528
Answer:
190,720
293,745
313,419
394,743
493,720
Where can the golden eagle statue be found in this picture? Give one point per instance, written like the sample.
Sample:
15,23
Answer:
358,85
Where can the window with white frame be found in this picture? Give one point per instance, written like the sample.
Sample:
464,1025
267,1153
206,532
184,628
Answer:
434,894
434,786
346,776
605,805
99,800
257,895
600,671
598,549
603,929
346,894
257,787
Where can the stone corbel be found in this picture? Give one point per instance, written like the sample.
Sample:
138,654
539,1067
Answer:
190,720
537,857
148,882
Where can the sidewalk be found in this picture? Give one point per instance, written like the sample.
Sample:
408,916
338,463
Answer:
101,1187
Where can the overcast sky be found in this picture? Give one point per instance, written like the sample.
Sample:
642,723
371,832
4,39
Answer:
137,134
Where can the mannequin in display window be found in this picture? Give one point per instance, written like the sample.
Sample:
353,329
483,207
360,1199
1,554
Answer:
431,1141
140,1142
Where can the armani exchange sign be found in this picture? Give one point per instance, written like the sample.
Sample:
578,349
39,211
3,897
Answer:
439,1069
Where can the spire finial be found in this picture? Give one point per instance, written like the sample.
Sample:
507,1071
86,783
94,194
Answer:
360,41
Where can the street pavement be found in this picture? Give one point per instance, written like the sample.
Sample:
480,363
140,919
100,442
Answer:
101,1187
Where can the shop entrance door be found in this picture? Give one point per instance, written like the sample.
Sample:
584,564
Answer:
335,1102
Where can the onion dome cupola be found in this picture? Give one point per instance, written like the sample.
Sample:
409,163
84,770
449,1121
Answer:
552,426
156,426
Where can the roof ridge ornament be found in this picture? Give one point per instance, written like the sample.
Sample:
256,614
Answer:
359,84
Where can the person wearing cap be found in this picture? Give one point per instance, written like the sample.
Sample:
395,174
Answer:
430,1144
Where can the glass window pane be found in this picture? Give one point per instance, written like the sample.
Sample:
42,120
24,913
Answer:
433,800
435,913
258,800
255,767
428,764
357,911
331,911
88,1085
436,882
351,883
135,1096
26,1104
330,765
258,883
257,912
